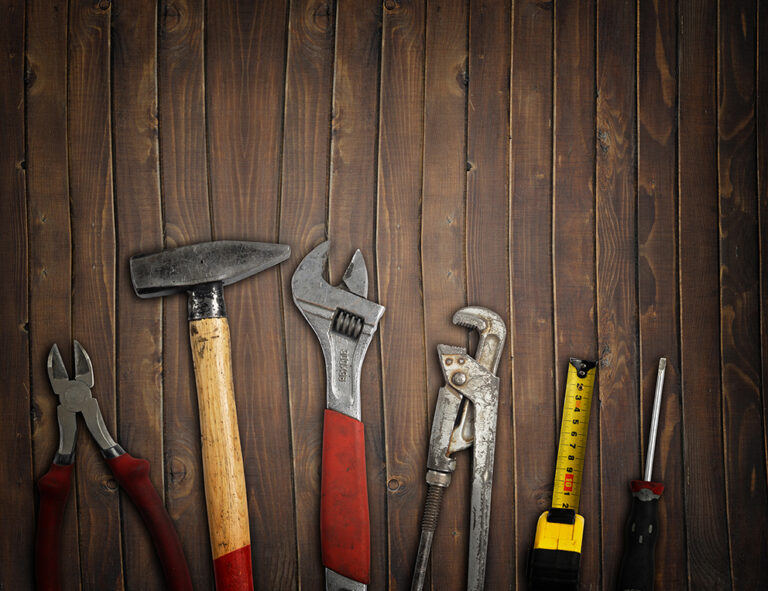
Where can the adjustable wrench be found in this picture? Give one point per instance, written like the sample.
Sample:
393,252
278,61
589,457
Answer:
465,416
344,322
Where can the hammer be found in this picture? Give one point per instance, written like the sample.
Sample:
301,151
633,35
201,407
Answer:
202,270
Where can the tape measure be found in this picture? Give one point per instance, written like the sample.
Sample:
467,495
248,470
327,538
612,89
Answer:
554,561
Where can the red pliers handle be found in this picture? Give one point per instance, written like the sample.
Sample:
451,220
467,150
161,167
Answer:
131,473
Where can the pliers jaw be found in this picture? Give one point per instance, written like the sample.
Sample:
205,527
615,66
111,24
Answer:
75,396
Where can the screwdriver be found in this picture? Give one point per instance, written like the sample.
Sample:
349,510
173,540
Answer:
637,570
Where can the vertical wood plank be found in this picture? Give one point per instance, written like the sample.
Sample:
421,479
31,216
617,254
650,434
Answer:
93,287
50,266
617,314
488,279
245,68
17,492
443,261
762,197
658,272
573,247
399,278
705,512
739,296
534,406
352,223
184,189
139,230
303,215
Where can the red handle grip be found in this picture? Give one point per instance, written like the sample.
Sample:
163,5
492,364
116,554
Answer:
344,523
133,475
54,492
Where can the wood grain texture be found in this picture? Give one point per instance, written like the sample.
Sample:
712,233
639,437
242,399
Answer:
488,266
658,273
245,83
740,356
352,223
533,387
574,166
304,214
138,209
16,491
400,279
93,271
573,240
186,220
50,246
761,115
705,510
443,253
617,313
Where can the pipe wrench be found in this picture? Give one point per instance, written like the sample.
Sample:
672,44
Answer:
465,416
344,322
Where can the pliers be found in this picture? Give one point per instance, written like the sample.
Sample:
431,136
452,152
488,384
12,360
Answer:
131,473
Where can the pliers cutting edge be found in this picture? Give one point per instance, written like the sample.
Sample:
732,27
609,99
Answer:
132,474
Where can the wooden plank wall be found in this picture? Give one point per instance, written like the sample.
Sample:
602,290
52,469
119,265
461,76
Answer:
594,171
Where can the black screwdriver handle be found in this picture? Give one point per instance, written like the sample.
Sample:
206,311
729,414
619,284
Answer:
640,534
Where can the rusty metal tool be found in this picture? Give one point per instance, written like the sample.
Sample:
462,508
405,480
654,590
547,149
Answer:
202,270
131,473
465,416
344,322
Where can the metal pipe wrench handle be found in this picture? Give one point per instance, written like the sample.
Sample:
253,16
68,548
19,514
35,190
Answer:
223,472
344,523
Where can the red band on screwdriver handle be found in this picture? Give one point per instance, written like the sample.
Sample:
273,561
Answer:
54,492
656,488
344,523
133,475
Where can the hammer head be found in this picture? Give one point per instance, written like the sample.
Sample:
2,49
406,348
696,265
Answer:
181,269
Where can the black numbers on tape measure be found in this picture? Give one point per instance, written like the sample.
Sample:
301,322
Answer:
571,457
575,421
573,445
574,433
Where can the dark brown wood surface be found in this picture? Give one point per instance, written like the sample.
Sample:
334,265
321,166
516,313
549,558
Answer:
593,171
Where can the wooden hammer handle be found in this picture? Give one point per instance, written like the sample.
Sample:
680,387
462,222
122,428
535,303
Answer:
225,494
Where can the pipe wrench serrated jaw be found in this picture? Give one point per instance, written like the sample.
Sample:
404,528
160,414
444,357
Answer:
343,320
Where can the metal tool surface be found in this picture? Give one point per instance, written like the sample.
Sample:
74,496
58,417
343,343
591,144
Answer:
465,416
131,473
344,322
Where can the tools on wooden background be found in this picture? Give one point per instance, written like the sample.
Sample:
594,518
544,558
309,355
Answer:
344,322
132,474
465,416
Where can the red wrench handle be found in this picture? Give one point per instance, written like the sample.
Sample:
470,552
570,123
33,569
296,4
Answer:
344,523
54,489
133,475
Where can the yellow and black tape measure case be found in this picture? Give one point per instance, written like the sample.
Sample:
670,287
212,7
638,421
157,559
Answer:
554,560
